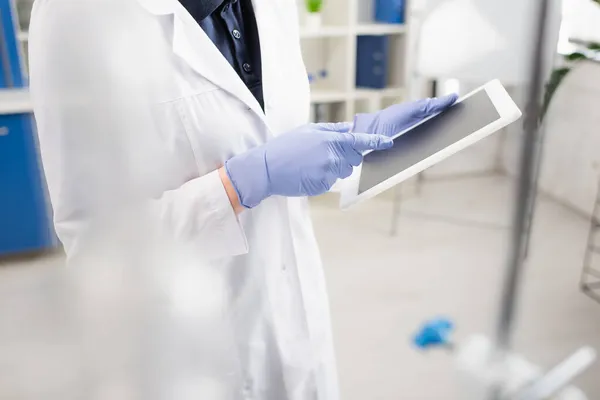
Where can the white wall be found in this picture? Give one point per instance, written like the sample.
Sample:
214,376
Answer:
477,41
571,165
480,40
581,19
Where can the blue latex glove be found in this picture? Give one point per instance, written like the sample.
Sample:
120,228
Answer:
399,117
304,162
434,333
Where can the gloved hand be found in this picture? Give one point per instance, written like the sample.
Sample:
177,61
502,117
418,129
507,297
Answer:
399,117
304,162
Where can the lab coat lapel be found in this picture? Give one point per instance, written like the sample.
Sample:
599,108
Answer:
192,44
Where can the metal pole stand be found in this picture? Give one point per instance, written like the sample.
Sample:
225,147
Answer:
590,275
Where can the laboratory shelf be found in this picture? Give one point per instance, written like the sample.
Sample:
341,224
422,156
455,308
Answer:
324,32
328,96
332,47
15,101
393,92
361,29
334,96
380,29
364,93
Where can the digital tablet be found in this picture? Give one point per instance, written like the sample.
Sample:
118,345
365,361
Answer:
473,117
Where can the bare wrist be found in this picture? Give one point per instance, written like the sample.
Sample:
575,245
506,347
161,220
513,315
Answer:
230,190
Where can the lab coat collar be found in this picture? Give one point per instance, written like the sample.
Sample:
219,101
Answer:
192,44
158,7
201,9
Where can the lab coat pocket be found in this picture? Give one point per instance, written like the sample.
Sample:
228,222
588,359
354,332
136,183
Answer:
219,126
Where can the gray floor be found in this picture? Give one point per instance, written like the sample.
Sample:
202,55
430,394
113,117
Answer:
447,259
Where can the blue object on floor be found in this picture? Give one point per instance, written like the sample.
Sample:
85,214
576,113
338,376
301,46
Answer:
372,61
434,333
389,11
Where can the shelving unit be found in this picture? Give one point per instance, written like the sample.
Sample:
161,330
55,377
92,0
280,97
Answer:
23,11
324,32
332,48
380,29
360,29
23,36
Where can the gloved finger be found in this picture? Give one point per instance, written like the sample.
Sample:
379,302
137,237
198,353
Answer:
354,158
328,182
346,171
438,104
341,127
332,181
364,141
351,155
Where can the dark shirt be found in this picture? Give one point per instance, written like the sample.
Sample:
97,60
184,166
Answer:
231,25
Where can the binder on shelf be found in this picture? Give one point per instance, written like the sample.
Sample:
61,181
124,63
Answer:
372,53
389,11
24,213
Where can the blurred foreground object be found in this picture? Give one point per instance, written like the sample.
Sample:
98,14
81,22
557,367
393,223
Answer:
118,326
517,378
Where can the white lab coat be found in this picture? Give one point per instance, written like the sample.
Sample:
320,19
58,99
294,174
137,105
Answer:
137,108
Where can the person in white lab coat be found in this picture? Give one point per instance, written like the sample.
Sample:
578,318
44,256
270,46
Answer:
145,105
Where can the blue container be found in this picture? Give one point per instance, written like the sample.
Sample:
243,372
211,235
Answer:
25,223
24,218
372,61
389,11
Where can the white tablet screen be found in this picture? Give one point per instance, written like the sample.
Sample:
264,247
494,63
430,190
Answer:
425,140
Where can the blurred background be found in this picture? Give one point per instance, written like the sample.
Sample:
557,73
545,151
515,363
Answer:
433,246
